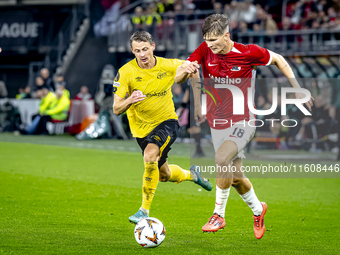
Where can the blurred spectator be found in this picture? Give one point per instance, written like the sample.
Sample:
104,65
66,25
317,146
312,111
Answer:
60,111
179,15
21,94
190,12
248,11
266,22
48,81
286,25
168,5
111,22
48,100
323,18
24,93
3,90
83,94
321,5
315,24
256,27
38,125
152,18
232,11
60,81
291,9
243,27
308,7
332,16
39,83
218,8
159,7
137,18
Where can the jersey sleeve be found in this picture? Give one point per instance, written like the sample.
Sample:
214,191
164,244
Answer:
259,56
121,83
174,64
198,54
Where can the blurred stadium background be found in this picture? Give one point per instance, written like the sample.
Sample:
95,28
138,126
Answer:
80,44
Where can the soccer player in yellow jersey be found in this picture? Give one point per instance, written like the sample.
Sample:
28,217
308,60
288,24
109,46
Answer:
142,87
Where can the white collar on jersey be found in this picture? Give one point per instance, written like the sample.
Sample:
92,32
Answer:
235,50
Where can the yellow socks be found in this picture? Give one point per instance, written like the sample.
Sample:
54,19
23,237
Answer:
150,181
151,177
178,174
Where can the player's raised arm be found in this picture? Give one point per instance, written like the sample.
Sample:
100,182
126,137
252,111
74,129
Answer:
284,67
185,71
120,105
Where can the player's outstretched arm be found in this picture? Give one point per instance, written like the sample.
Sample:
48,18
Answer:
120,105
195,84
284,67
185,71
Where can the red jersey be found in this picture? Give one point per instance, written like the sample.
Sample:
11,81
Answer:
234,68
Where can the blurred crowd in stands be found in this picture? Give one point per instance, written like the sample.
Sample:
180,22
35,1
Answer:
247,15
315,133
54,101
44,81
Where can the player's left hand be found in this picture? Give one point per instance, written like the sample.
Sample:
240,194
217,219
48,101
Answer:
309,103
136,96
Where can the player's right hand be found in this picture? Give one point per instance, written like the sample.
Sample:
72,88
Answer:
199,117
191,67
137,96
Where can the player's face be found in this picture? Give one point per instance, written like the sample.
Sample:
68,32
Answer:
143,52
218,44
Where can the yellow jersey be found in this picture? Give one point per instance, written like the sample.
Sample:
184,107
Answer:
155,83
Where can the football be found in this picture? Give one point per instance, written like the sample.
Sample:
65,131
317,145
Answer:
149,232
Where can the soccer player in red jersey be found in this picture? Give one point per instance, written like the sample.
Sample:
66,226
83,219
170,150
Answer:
224,61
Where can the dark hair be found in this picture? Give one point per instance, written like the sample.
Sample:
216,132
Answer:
141,36
215,24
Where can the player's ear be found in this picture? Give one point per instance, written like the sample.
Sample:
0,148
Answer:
227,36
153,46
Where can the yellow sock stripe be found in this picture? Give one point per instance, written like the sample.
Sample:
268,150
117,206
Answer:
163,146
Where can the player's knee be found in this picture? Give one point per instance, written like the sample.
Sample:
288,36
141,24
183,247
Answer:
221,159
163,177
151,156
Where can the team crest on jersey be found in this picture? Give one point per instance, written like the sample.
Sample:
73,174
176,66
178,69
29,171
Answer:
236,68
138,79
161,75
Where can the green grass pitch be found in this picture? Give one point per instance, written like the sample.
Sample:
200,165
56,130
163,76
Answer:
69,200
